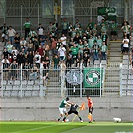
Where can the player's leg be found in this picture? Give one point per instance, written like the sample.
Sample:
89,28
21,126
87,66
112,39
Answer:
61,113
66,114
76,113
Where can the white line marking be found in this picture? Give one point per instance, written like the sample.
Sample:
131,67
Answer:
32,129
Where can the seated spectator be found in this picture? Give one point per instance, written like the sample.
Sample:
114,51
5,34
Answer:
34,72
5,54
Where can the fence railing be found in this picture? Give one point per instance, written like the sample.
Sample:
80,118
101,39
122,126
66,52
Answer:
75,82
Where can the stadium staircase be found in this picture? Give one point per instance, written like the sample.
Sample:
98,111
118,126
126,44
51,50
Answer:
112,72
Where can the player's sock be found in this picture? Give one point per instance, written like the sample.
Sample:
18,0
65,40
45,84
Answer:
59,118
80,118
64,118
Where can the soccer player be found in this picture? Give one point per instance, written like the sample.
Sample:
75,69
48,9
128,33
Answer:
73,109
90,106
62,108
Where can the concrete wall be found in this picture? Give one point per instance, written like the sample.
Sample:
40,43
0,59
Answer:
41,109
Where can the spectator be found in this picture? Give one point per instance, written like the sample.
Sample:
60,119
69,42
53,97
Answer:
5,54
91,24
6,65
17,41
62,52
95,51
20,58
36,44
126,29
113,32
23,42
53,46
37,59
74,53
9,47
30,56
86,59
56,62
46,64
14,70
11,33
104,50
34,73
50,27
69,61
40,30
40,50
63,40
65,26
27,25
4,29
26,70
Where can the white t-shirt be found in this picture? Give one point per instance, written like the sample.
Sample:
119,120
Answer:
38,58
63,40
62,51
40,31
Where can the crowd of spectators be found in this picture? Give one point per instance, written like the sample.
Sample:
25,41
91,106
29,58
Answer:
73,45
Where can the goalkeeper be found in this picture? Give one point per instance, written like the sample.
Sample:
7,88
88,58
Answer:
73,109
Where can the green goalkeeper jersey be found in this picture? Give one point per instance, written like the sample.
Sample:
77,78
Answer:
63,104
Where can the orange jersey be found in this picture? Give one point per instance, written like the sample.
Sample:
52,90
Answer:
90,103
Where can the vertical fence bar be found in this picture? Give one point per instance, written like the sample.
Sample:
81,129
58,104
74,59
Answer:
21,18
81,87
2,80
38,13
120,79
21,80
100,79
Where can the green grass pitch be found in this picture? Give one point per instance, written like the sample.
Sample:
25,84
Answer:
69,127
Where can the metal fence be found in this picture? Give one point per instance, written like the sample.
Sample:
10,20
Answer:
75,82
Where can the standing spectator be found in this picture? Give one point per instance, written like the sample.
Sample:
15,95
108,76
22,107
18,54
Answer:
77,24
11,33
4,29
90,106
17,41
50,27
126,29
40,30
65,26
30,56
37,59
62,52
23,42
53,46
69,61
55,24
95,51
6,65
91,24
105,38
104,50
86,59
113,30
40,50
56,62
27,25
74,53
20,58
36,44
9,47
26,70
46,64
63,40
5,54
13,69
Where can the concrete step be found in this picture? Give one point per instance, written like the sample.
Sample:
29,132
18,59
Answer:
111,84
111,79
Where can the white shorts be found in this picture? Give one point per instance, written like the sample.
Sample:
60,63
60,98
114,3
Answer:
62,110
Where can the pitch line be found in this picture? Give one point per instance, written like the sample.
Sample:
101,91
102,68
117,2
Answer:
32,129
